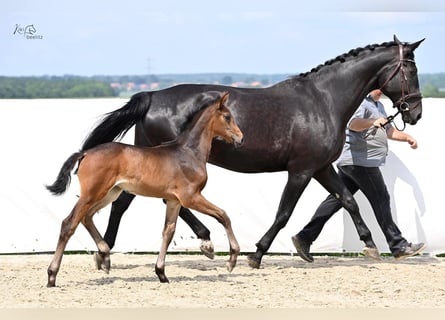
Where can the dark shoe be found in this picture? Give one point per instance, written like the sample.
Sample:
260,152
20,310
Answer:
302,248
409,251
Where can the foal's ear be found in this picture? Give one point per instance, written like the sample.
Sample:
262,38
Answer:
225,96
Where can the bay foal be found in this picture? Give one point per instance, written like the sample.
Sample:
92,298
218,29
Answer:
175,171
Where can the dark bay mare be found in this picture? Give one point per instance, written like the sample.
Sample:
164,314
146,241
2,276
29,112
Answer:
174,171
297,125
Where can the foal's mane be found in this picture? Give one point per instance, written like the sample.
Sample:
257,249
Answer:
343,57
191,118
192,114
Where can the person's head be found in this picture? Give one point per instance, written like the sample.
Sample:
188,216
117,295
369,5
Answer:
376,94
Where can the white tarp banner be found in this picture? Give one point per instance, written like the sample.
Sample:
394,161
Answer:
39,135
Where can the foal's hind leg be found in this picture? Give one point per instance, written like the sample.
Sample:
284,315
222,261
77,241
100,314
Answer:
69,225
171,216
201,204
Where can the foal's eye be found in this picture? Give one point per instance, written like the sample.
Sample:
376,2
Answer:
227,117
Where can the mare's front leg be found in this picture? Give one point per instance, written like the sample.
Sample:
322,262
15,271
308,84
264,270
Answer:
294,188
201,204
171,216
69,225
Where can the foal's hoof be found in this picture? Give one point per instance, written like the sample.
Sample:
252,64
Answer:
102,263
230,266
253,261
161,275
372,253
207,248
163,279
98,260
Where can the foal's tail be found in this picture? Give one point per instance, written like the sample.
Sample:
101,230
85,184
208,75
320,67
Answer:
116,124
64,178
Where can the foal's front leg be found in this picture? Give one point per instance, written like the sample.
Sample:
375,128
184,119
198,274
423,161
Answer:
171,216
102,257
201,204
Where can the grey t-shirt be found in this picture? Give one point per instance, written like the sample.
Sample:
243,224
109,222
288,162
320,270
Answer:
370,151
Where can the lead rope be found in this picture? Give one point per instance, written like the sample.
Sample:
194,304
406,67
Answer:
373,130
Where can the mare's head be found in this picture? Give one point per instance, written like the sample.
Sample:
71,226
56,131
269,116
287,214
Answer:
224,125
400,83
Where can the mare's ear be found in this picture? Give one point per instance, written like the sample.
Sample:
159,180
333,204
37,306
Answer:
224,97
414,45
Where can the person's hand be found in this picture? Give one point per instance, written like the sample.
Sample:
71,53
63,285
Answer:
379,122
412,142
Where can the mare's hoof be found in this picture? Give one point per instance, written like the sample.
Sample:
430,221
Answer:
253,262
372,253
206,248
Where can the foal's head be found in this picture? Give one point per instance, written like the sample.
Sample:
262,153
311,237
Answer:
224,125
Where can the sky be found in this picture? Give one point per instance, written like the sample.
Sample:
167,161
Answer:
111,37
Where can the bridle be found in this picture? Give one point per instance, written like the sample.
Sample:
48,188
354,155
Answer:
402,105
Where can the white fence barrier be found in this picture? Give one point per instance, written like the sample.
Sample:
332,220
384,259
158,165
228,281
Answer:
38,136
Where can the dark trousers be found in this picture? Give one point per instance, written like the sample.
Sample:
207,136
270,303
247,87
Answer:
370,182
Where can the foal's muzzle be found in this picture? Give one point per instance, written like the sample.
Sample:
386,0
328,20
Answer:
237,140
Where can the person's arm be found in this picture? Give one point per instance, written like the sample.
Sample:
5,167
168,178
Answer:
397,135
360,124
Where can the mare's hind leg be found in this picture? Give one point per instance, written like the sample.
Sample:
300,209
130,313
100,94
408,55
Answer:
201,204
69,225
171,217
294,188
330,180
118,208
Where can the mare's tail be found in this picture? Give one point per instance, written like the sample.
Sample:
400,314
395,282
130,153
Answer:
116,124
64,177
